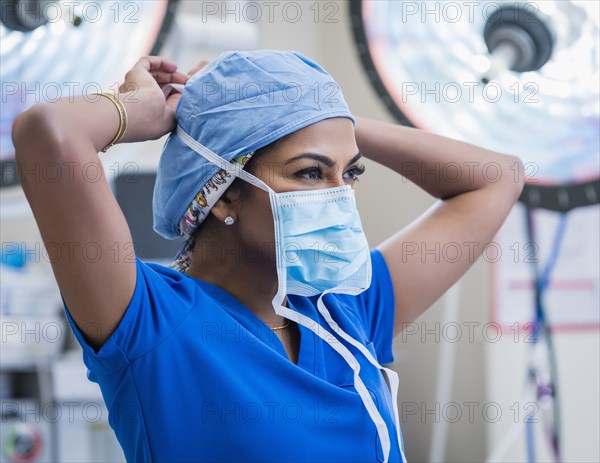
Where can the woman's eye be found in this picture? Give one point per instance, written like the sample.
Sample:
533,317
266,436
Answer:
312,173
355,172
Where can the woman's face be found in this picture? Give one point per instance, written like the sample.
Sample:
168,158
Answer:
322,155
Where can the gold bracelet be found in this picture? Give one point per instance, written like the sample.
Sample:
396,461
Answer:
122,120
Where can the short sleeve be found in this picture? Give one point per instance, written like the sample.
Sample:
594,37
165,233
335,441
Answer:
161,299
376,309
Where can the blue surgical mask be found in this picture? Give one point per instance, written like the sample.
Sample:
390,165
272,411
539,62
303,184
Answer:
320,247
322,242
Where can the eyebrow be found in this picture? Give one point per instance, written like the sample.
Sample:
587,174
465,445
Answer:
322,158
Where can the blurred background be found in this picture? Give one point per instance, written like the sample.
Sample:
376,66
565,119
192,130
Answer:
503,368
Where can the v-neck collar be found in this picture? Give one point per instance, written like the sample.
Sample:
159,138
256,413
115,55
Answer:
310,356
310,353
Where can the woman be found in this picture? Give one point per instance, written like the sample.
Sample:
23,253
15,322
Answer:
265,339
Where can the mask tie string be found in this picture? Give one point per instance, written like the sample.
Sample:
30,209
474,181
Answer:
233,169
391,375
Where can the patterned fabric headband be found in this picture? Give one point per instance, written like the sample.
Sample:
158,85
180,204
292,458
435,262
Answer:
199,209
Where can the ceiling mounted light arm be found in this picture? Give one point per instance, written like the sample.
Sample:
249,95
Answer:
517,40
25,15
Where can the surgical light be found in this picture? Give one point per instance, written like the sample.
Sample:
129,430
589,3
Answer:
54,49
516,77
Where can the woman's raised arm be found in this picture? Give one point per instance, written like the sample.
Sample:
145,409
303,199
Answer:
82,227
476,188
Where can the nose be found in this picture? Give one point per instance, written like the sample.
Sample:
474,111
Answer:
335,180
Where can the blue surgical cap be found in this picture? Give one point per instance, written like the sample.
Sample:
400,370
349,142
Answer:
236,104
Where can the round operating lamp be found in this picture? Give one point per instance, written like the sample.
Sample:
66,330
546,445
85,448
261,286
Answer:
516,77
54,49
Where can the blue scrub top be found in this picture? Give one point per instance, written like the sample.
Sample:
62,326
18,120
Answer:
190,374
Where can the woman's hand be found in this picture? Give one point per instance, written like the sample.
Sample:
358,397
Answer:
89,120
150,115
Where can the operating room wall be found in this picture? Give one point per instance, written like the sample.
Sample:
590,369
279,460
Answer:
485,372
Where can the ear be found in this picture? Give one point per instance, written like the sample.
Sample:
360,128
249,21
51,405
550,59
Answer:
228,204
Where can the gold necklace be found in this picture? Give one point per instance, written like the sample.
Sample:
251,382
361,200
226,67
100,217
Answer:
281,327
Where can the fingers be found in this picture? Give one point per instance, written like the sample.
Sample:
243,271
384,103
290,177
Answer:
156,63
179,78
152,69
162,70
147,65
167,78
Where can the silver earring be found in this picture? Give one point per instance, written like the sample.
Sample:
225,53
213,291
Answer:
229,220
